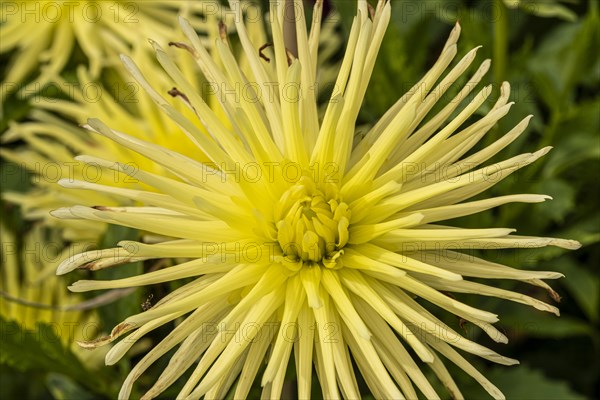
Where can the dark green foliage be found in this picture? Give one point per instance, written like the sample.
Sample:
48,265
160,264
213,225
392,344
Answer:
40,351
548,51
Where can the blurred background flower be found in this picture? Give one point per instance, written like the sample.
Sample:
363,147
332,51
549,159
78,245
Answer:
41,319
547,50
42,37
32,293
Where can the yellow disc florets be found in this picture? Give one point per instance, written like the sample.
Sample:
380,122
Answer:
312,223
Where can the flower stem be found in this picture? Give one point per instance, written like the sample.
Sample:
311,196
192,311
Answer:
500,41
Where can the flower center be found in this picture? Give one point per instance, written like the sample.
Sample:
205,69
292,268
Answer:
312,224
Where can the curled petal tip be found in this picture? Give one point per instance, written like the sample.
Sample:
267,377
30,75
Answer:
62,213
92,344
545,150
73,287
64,268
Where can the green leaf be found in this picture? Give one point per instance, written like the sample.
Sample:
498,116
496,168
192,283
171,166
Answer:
411,44
563,195
563,60
518,321
547,8
576,134
15,384
40,349
64,388
583,285
524,383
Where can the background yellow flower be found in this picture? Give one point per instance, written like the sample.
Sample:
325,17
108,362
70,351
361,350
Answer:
43,34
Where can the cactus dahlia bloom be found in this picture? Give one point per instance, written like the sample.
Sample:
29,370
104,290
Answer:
292,240
46,32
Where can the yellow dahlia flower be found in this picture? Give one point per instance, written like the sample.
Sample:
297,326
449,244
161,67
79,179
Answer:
296,239
43,33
